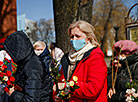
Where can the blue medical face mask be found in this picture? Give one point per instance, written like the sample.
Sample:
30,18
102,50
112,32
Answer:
78,44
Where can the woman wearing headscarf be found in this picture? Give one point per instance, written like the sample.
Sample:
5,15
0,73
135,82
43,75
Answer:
126,69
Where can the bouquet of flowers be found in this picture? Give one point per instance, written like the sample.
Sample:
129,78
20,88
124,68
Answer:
131,92
69,88
7,71
69,85
54,70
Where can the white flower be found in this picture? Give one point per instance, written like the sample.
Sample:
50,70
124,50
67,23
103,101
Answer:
135,95
131,95
133,90
129,99
5,78
128,91
63,79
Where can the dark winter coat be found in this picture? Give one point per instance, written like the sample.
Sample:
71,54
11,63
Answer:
30,75
123,77
46,59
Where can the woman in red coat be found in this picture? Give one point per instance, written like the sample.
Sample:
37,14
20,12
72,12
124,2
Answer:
86,61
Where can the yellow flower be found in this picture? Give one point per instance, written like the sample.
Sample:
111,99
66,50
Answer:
75,78
69,96
71,83
63,93
5,78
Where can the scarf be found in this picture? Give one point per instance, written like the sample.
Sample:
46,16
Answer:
75,56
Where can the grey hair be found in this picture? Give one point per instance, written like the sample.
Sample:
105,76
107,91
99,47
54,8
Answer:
39,43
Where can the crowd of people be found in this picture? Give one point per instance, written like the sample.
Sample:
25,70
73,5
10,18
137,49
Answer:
86,61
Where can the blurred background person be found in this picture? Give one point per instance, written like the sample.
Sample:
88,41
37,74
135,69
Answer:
56,52
41,50
125,64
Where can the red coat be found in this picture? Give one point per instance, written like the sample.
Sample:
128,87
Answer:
92,77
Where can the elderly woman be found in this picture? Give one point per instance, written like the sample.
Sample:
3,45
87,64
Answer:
86,61
127,65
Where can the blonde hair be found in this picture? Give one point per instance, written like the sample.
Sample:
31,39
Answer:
39,43
86,28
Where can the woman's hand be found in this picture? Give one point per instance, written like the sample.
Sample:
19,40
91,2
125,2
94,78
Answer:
111,92
60,86
11,91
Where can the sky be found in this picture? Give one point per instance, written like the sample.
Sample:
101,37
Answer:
130,3
35,9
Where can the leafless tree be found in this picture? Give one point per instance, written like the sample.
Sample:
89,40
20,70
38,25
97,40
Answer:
41,30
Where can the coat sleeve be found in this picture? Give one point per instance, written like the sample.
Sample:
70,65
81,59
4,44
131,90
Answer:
135,70
96,78
31,89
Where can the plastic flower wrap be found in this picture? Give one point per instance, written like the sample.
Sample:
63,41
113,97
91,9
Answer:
69,88
131,92
7,71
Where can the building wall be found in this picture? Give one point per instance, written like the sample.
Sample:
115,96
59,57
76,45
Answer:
9,16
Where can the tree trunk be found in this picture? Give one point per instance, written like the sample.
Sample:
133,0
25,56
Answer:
1,7
86,10
8,16
106,26
65,12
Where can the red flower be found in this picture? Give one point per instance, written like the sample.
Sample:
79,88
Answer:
1,46
4,67
1,63
6,76
9,73
6,59
13,69
6,89
8,82
4,73
1,74
12,79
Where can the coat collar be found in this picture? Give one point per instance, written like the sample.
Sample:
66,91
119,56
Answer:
65,62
